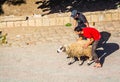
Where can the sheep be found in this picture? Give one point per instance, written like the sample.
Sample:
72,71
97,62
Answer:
76,50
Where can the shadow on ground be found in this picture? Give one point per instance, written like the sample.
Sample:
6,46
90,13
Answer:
56,6
10,2
108,48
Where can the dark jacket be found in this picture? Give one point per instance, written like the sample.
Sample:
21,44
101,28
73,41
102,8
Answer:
81,20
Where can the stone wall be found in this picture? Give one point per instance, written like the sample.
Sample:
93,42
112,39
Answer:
36,29
106,21
95,18
37,20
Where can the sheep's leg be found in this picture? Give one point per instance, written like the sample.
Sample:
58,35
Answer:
73,60
80,61
90,58
68,57
90,61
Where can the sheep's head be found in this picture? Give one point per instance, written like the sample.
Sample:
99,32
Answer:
61,49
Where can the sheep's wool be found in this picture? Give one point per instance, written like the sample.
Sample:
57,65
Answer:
76,49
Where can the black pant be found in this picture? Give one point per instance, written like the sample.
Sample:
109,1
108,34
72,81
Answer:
94,46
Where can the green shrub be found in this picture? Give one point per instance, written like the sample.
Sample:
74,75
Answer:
68,24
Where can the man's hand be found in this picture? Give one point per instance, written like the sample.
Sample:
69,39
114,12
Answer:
90,41
85,46
79,39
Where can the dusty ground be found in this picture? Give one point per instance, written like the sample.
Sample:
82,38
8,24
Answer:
30,7
41,63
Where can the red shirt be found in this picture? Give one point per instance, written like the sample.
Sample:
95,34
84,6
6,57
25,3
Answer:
89,32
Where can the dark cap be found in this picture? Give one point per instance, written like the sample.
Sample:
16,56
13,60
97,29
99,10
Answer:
74,13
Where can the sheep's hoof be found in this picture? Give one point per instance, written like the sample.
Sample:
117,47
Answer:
88,64
68,57
70,63
80,64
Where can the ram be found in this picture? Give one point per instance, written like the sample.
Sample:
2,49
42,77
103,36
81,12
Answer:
76,50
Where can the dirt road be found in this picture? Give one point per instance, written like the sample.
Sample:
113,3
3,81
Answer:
41,63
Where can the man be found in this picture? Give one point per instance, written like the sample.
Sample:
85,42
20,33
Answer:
79,19
94,36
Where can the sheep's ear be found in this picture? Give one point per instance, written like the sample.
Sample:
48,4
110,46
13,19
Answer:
61,47
65,48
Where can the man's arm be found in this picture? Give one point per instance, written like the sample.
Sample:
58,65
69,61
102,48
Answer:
84,20
79,39
87,24
89,42
74,23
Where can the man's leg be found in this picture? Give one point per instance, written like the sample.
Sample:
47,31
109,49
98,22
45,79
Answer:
94,46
